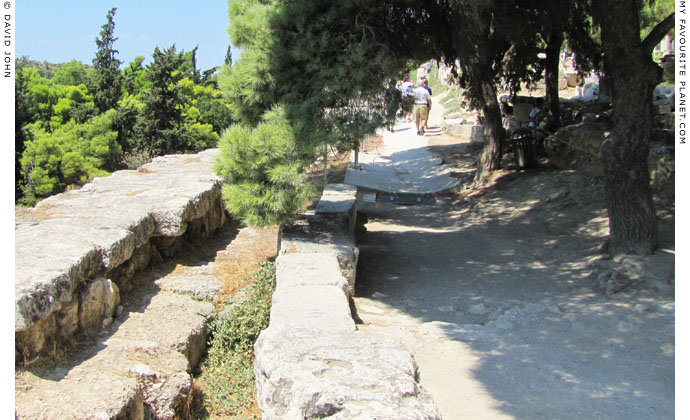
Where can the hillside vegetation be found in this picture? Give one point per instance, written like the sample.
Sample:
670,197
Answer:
76,121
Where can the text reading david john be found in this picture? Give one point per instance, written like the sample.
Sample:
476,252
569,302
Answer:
7,42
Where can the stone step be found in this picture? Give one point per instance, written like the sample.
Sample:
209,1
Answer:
140,365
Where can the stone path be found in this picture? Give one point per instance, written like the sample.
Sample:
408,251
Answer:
403,164
495,296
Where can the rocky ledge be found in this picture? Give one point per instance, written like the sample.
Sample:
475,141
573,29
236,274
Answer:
75,252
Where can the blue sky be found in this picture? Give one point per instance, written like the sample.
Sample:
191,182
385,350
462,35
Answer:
59,31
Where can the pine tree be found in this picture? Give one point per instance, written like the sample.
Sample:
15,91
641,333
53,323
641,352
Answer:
106,81
310,72
159,127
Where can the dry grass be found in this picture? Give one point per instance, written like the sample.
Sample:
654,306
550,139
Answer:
337,166
135,192
235,252
373,144
234,265
40,212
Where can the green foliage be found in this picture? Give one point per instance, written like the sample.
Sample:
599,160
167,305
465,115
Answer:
97,141
71,74
68,105
200,136
435,83
134,77
23,114
227,372
44,96
159,123
41,163
89,143
264,169
73,168
43,68
228,56
215,112
653,12
311,73
249,22
205,104
71,154
247,85
128,111
188,66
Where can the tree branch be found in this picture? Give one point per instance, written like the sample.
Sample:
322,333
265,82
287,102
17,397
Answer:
658,33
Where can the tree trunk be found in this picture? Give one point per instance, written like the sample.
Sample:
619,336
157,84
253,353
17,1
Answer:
490,158
553,51
633,75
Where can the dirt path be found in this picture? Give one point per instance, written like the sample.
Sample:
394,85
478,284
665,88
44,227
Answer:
498,297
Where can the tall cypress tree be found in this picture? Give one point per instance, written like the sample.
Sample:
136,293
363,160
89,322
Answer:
106,81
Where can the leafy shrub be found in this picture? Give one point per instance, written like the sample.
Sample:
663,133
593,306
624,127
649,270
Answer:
227,373
200,136
41,165
73,171
72,154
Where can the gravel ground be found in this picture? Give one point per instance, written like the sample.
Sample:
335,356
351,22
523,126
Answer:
501,295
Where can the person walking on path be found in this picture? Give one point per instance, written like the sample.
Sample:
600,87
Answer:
407,87
425,85
422,103
392,99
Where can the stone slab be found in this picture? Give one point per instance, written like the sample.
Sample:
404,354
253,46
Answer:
336,375
296,270
317,308
304,238
335,204
309,238
339,189
202,287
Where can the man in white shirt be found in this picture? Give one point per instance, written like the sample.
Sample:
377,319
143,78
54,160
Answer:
420,110
406,89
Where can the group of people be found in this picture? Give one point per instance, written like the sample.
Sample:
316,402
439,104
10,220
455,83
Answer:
414,98
539,117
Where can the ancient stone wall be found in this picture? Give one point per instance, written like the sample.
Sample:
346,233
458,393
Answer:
311,362
75,252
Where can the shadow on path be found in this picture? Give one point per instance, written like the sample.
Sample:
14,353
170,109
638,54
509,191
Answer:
497,300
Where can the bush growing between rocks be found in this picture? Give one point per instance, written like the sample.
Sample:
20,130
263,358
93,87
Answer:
227,376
